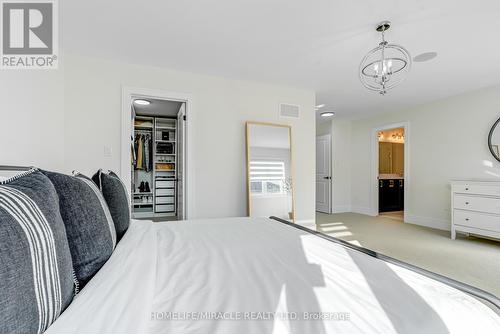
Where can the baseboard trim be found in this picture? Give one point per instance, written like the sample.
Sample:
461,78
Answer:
363,210
341,208
437,223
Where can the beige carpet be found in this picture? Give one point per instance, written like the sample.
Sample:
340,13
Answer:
470,260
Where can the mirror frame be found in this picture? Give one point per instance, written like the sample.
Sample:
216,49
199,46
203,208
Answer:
292,167
490,135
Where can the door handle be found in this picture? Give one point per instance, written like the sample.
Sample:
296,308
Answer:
327,177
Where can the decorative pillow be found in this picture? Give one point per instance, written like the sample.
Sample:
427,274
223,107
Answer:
116,196
36,272
89,226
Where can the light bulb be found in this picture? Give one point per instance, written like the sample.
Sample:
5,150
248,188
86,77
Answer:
142,102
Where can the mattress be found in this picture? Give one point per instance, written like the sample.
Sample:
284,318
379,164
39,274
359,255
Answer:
251,275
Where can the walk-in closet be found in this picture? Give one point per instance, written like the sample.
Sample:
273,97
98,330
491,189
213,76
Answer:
157,157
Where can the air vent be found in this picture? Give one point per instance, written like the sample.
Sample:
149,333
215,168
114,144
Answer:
289,110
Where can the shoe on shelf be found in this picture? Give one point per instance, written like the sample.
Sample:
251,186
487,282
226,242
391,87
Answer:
147,189
141,187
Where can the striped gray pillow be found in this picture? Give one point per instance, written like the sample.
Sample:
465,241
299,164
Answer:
89,226
36,282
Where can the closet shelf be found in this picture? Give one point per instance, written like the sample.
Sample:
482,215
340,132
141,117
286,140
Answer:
165,141
165,128
143,194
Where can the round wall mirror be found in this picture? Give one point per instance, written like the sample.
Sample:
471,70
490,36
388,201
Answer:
494,140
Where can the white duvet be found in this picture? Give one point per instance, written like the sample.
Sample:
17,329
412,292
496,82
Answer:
243,275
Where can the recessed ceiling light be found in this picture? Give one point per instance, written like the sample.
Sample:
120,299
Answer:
142,102
426,56
320,106
327,114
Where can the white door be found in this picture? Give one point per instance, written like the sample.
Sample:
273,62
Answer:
181,140
323,174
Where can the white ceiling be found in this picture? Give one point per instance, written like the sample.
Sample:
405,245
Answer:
308,44
158,108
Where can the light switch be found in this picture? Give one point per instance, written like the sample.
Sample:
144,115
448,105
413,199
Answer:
107,151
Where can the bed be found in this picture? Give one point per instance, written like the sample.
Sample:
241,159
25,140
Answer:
249,275
235,275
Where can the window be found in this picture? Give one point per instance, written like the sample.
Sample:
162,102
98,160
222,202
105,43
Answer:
267,177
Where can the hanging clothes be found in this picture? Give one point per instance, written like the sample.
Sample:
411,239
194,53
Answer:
136,149
143,151
132,150
147,153
140,153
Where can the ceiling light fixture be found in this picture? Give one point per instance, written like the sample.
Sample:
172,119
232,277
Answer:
319,106
327,114
385,66
142,102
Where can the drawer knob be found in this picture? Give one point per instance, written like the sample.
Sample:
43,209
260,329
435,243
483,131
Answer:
467,219
466,188
466,203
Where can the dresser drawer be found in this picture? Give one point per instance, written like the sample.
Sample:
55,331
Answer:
165,200
165,184
476,220
477,203
479,189
165,192
165,208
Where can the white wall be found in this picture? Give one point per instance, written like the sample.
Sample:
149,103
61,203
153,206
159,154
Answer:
341,165
32,118
448,140
92,120
323,128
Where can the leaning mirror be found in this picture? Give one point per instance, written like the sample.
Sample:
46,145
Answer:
269,170
494,140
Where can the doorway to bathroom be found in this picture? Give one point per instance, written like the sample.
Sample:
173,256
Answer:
390,168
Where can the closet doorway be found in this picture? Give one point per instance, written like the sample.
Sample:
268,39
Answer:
157,157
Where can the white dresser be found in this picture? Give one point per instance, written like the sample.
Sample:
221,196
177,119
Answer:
475,207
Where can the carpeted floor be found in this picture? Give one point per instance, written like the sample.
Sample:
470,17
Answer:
471,260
